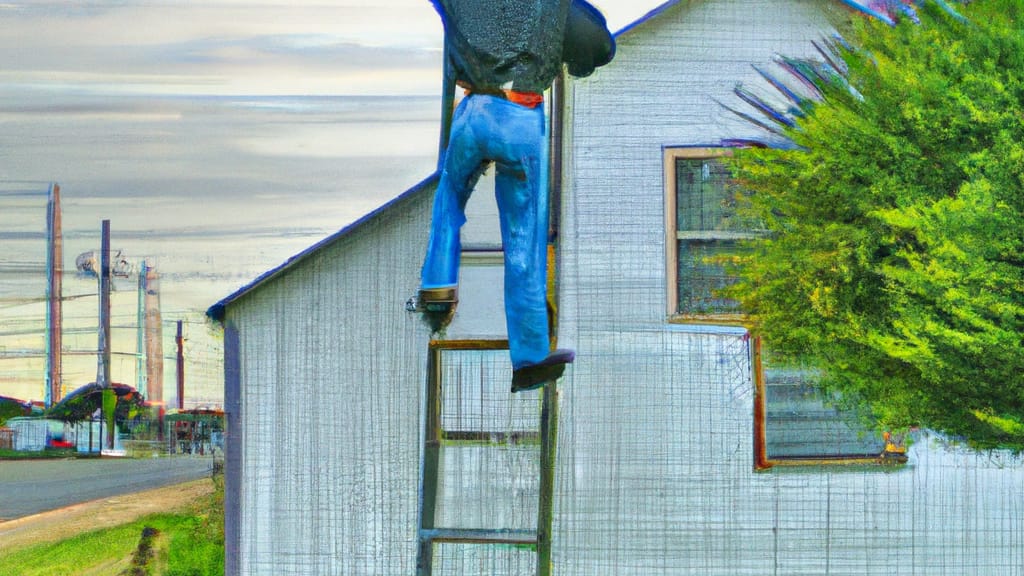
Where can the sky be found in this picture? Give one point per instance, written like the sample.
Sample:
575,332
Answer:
219,137
232,46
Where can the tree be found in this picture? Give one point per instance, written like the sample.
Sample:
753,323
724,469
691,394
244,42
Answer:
893,260
124,402
11,408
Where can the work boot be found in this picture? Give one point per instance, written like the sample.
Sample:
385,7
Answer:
533,376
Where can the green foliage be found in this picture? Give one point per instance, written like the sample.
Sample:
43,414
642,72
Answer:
87,550
109,405
46,453
199,550
122,401
11,408
196,545
895,256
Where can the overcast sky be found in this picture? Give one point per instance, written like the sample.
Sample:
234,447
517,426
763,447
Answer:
146,113
231,46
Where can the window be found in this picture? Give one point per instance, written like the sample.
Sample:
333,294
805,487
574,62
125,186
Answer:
702,223
482,460
797,424
480,313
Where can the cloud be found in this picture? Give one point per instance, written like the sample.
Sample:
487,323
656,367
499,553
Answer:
220,47
230,46
313,51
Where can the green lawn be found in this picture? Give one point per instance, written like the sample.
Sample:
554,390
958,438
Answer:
190,543
6,454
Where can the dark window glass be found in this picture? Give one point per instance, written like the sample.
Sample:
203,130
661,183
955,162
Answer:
707,227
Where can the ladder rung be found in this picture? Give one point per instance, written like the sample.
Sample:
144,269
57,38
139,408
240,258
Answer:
479,536
492,437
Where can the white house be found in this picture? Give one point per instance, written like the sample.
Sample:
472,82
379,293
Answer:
359,445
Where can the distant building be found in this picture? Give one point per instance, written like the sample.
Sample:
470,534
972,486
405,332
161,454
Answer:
31,434
356,445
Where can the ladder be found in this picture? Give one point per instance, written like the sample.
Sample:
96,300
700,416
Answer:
487,473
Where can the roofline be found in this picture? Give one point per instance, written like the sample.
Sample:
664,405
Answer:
649,16
217,311
658,10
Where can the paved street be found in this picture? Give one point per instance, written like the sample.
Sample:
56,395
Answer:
30,487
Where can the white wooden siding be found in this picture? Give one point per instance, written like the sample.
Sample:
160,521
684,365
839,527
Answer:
333,371
333,377
655,469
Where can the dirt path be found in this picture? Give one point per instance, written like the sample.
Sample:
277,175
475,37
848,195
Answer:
65,522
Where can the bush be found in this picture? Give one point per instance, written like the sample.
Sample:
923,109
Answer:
894,262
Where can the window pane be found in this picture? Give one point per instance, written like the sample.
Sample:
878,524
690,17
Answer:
699,278
483,559
481,310
704,199
802,423
708,223
475,396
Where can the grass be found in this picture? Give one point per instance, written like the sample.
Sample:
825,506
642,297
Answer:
190,543
6,454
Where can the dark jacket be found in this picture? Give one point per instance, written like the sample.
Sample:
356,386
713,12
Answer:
492,43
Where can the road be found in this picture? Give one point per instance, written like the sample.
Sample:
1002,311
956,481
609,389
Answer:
30,487
64,523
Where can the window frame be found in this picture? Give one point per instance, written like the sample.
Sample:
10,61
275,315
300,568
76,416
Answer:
672,236
892,453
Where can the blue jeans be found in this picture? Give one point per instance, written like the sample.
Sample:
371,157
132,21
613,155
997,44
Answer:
490,129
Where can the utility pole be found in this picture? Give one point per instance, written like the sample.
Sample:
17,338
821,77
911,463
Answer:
103,370
140,339
181,367
103,367
54,297
150,343
154,337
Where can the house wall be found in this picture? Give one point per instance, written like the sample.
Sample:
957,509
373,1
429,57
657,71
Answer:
655,457
327,372
327,432
30,434
325,383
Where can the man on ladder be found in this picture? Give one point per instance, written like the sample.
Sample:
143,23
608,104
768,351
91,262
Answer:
505,54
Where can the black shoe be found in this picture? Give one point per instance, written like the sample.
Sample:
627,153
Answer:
534,376
436,304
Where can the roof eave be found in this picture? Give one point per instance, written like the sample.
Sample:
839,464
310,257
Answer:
657,11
